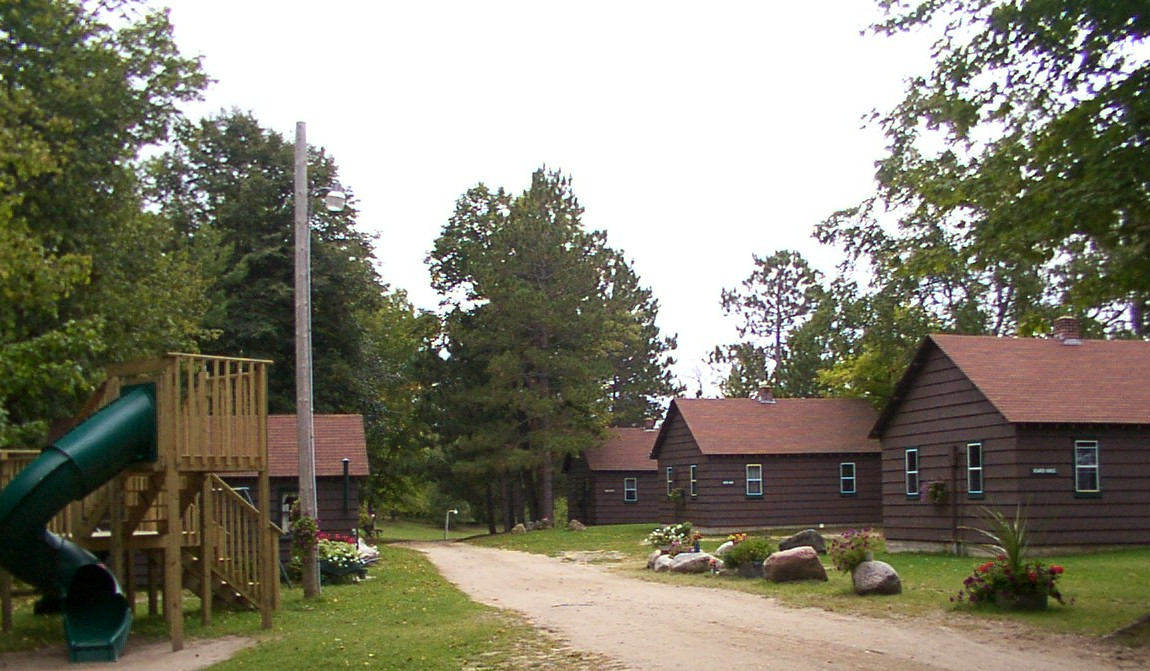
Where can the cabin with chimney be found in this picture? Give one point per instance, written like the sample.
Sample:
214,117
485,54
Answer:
341,469
616,482
746,463
1059,425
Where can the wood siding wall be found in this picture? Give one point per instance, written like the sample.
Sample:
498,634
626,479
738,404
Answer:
1119,514
798,490
942,412
596,497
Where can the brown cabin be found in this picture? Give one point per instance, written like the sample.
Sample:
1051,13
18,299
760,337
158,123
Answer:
1059,425
340,469
616,482
742,463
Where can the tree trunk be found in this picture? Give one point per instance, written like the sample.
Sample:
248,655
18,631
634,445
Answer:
546,503
531,489
1138,317
517,499
508,503
489,496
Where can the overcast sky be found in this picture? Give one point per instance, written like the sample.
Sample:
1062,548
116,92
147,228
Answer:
696,133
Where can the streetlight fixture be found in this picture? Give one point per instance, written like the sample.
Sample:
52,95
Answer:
305,425
447,521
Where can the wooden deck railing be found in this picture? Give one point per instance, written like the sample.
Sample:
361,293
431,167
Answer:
232,539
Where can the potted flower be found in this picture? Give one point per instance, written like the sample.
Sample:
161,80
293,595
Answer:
936,492
854,547
1026,587
1010,580
747,557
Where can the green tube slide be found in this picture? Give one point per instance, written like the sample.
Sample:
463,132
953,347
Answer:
96,613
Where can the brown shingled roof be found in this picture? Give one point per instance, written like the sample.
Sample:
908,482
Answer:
336,437
1037,380
625,449
787,426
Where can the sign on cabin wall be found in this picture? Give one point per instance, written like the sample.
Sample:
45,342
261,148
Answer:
1044,470
728,482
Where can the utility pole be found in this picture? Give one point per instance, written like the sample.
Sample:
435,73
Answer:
305,426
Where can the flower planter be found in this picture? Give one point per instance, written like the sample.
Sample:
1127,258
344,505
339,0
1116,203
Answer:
1028,601
334,570
753,569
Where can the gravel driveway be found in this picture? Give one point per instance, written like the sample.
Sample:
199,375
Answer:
643,625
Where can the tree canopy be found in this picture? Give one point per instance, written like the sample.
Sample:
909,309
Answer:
547,335
88,276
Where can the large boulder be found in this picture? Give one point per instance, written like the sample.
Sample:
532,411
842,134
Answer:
691,562
876,577
801,563
519,529
576,525
724,548
662,563
807,537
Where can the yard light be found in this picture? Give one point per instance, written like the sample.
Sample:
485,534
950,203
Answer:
447,521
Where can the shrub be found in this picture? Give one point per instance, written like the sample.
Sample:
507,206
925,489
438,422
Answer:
747,551
852,547
671,534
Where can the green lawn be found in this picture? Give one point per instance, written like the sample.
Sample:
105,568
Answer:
423,530
1109,589
405,616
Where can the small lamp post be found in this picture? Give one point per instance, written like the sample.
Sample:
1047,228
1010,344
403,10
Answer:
447,521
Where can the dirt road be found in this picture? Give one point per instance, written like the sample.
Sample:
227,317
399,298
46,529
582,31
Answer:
644,625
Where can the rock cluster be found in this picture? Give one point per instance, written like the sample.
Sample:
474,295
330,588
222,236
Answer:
684,562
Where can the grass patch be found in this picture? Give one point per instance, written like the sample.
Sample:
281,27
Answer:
405,616
424,530
623,538
1110,589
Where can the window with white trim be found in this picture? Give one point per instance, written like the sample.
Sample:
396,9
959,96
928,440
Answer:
911,461
974,469
1086,480
670,479
694,480
630,490
847,477
754,479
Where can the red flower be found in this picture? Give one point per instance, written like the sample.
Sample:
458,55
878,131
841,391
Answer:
1056,569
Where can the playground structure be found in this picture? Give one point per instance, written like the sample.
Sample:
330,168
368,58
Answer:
138,480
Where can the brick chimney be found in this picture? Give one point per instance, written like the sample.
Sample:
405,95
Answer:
648,424
765,394
1065,330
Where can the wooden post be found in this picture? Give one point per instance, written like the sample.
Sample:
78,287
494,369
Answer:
303,388
129,582
207,551
153,601
168,411
116,526
268,546
6,598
